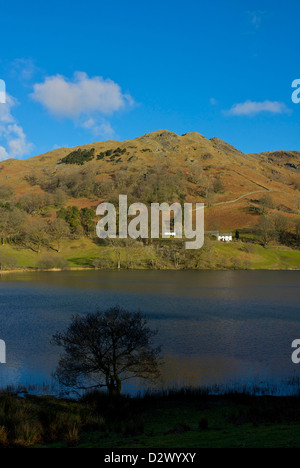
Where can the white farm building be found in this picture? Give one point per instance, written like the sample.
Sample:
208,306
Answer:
225,237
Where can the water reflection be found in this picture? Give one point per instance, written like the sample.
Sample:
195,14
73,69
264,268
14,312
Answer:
215,327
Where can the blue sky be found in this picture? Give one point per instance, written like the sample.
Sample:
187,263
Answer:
79,72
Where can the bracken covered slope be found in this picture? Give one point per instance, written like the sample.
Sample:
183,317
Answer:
245,178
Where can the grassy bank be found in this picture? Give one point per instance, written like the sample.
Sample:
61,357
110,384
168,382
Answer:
169,420
85,253
254,256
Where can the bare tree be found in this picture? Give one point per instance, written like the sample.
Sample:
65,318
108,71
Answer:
267,203
36,233
32,203
4,224
265,228
209,196
173,252
59,197
59,229
103,349
281,225
11,223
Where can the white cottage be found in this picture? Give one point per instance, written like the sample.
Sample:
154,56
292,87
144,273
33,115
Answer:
225,237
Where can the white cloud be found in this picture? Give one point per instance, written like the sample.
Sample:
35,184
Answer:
81,96
252,108
103,128
3,154
12,136
84,100
24,68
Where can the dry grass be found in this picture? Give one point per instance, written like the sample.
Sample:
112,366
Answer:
241,174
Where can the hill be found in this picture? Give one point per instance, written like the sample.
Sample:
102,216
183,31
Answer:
238,189
242,179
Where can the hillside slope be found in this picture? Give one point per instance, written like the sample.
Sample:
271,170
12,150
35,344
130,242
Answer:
242,179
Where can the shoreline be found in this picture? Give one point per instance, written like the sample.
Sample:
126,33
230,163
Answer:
59,270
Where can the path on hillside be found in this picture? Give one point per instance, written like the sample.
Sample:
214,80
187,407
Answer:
236,199
241,197
266,190
246,195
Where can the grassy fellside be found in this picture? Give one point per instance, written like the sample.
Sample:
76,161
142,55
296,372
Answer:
82,253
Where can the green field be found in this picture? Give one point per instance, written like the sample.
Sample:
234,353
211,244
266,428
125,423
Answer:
254,256
82,253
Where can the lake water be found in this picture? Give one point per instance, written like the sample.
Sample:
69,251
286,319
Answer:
215,327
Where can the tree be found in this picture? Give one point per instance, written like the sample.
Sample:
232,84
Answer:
36,233
267,204
103,349
87,217
17,221
11,223
209,196
4,224
32,203
200,259
218,185
265,228
59,229
280,223
174,252
79,156
71,215
59,197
